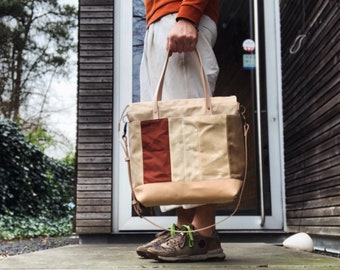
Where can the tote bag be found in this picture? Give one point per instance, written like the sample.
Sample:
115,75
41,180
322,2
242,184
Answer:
185,151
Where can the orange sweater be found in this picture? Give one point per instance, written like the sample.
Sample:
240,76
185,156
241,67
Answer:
191,10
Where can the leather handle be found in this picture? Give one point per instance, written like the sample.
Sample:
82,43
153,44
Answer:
159,90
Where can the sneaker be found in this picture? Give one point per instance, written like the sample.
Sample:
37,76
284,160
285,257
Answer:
160,238
188,246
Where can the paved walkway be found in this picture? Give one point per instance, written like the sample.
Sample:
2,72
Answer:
123,256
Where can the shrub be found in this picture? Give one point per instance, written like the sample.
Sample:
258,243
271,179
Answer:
12,227
32,184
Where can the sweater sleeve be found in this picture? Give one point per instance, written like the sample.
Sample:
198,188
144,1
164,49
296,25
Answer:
192,10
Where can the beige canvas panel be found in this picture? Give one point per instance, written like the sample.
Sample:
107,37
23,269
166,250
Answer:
182,107
136,153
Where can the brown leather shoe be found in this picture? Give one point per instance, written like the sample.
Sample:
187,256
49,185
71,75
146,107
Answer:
160,238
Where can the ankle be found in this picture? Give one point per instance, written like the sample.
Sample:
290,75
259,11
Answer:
206,233
209,232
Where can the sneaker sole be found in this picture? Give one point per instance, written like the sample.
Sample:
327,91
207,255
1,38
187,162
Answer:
217,255
143,254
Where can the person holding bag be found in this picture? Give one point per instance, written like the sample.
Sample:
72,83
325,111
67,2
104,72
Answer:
180,27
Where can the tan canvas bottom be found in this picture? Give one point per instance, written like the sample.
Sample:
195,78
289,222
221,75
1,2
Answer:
202,192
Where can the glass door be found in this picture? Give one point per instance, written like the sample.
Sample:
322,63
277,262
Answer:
244,50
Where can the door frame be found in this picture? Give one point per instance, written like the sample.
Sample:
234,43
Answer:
122,219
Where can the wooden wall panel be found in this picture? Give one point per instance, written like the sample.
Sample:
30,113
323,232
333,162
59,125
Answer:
95,116
311,95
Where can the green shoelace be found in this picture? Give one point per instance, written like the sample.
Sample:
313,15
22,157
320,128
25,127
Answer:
173,228
190,236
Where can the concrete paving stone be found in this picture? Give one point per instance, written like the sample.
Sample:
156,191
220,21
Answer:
123,256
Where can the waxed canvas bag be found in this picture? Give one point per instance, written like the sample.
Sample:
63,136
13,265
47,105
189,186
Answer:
185,151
